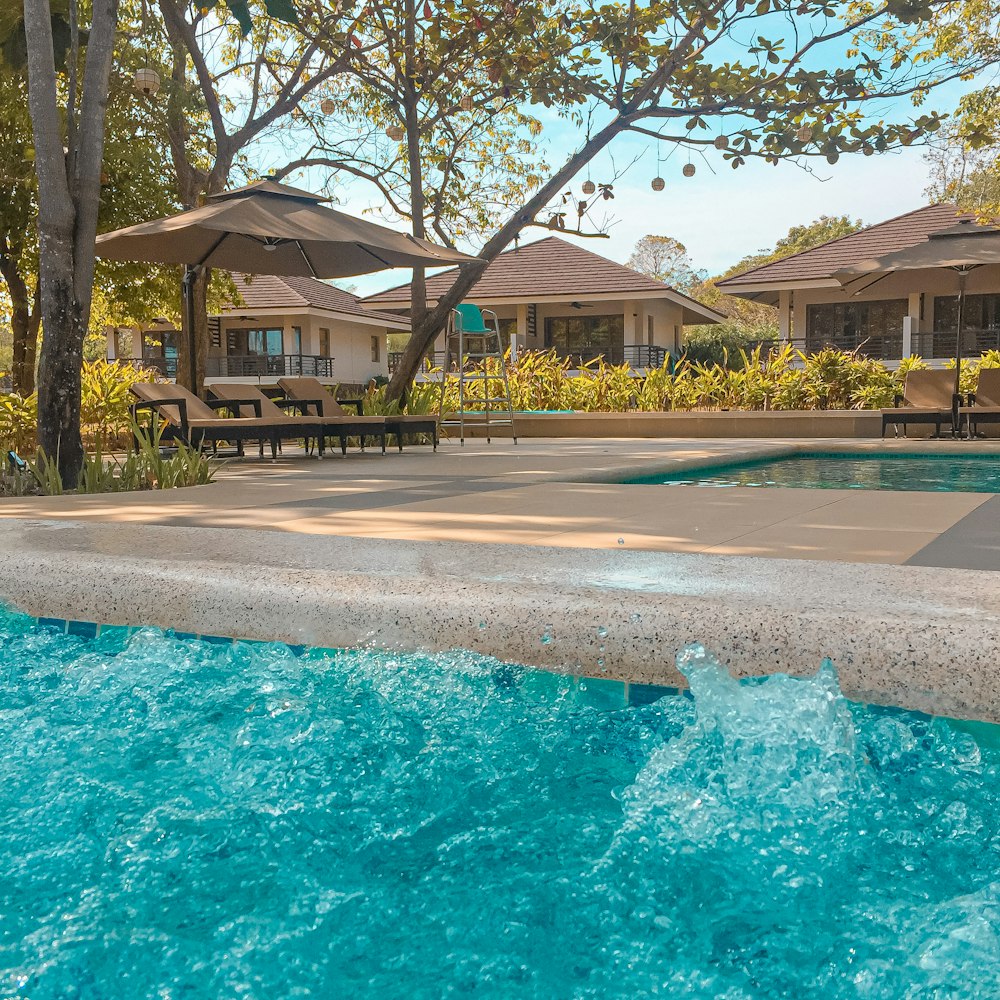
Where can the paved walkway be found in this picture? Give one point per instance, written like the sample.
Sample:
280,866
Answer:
550,492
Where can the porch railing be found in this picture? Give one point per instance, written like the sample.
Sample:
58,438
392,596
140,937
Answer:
255,365
246,365
943,343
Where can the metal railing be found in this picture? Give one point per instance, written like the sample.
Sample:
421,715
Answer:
245,365
636,355
884,347
943,343
255,365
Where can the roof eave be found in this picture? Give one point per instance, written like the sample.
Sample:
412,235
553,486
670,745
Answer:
379,319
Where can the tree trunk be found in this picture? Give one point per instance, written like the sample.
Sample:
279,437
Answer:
68,198
59,373
24,322
426,329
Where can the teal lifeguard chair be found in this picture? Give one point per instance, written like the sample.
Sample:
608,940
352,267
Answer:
472,339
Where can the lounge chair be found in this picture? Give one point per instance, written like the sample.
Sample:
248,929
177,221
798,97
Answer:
306,425
984,403
319,400
196,421
928,398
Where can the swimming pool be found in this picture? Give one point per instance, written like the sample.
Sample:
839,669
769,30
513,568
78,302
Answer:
192,819
833,471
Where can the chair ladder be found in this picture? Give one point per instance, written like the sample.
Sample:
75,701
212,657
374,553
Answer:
473,352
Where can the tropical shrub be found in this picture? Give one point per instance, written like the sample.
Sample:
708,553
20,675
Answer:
104,408
144,467
724,343
762,378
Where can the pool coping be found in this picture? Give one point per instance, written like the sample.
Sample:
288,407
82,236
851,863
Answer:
903,636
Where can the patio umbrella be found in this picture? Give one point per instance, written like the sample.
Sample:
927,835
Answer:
961,248
270,228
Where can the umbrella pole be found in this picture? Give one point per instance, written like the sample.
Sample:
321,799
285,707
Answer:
187,294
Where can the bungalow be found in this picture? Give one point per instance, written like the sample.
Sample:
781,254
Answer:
552,294
284,326
905,313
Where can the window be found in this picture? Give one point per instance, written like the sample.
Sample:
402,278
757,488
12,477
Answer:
296,340
160,344
982,312
507,328
874,329
266,342
324,342
587,337
123,343
376,349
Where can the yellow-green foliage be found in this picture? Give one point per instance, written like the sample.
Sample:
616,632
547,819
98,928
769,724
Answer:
104,408
18,418
105,399
144,467
780,379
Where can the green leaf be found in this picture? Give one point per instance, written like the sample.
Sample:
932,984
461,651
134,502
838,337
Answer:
241,11
282,10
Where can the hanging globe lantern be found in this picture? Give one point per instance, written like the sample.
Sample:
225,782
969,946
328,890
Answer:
327,106
721,142
589,187
465,103
688,170
395,132
658,184
147,81
803,133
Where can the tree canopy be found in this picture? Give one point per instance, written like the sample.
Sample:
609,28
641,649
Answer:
666,259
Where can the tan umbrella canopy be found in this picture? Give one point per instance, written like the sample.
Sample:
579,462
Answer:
269,228
961,248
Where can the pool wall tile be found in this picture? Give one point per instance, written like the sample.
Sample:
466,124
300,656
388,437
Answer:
58,624
598,692
645,694
85,630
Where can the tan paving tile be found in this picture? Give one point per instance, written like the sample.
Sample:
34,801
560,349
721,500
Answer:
784,541
886,511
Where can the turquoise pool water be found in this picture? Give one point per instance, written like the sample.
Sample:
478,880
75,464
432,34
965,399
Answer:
934,473
182,819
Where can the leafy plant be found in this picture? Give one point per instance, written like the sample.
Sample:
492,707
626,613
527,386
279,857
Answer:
147,467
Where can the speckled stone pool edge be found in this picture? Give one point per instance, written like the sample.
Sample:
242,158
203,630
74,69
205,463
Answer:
913,638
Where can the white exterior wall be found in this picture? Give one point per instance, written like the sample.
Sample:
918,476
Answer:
929,284
350,342
350,345
668,320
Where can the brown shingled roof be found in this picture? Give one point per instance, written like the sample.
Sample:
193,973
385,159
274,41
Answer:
269,291
549,267
821,262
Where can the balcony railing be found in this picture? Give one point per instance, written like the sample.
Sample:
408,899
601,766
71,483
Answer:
636,355
943,343
246,365
885,347
255,365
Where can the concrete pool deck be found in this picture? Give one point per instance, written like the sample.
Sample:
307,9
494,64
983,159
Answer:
558,493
